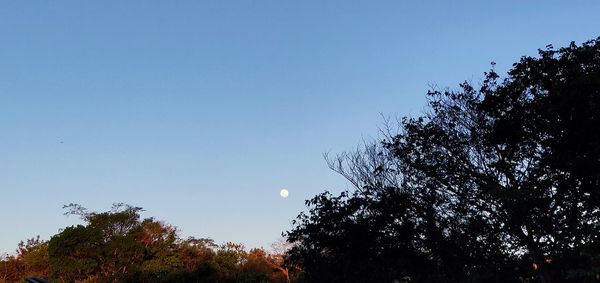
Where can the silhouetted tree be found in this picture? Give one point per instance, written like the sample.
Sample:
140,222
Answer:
499,182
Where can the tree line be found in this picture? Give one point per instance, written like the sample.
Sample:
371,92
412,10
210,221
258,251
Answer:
497,181
119,246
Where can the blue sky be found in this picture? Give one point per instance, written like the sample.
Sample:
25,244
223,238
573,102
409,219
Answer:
201,111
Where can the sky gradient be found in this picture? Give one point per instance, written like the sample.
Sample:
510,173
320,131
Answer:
201,111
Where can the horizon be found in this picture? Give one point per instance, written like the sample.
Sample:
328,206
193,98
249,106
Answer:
202,112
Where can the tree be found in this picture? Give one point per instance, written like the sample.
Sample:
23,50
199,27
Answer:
34,255
160,257
228,259
106,248
194,252
256,267
277,259
31,258
498,182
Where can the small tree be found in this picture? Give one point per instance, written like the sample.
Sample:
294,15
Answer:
107,247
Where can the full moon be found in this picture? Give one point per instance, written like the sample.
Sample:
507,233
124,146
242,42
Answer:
284,193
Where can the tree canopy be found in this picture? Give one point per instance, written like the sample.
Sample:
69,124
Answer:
495,182
119,246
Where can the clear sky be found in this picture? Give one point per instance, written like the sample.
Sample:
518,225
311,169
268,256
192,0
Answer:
201,111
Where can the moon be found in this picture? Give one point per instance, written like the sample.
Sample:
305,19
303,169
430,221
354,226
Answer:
284,193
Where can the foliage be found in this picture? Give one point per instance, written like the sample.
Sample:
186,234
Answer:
106,247
119,246
496,183
31,259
